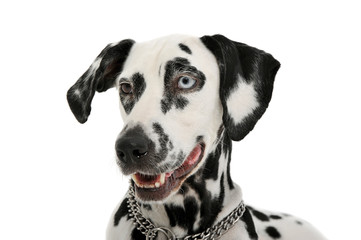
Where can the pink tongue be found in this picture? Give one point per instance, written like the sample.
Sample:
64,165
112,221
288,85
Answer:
193,156
191,160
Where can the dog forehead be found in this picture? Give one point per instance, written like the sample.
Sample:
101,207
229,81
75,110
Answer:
159,61
150,57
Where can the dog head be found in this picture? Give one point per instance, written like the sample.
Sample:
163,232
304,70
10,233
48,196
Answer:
177,95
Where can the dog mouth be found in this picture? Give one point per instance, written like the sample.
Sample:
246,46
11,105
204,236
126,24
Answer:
158,187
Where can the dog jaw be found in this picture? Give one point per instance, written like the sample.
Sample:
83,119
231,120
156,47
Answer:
159,187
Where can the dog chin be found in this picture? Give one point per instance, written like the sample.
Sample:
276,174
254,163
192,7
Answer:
153,188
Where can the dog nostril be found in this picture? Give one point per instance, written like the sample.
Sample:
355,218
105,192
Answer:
121,154
138,154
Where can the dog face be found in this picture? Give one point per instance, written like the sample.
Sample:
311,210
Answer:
177,95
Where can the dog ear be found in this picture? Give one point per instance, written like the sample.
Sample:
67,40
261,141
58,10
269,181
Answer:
247,75
99,77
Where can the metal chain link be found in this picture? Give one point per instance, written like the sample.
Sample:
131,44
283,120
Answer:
221,227
142,224
146,227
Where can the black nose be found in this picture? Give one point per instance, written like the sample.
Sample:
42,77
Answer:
131,148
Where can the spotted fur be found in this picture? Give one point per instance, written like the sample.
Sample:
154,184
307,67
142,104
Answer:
139,85
172,96
165,126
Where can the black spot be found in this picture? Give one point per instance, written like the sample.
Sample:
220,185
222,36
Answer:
220,131
166,105
273,232
171,146
129,100
276,217
227,149
147,206
184,189
248,221
261,216
210,206
163,140
175,215
137,235
139,84
185,48
299,222
181,102
190,204
172,95
183,217
121,212
212,163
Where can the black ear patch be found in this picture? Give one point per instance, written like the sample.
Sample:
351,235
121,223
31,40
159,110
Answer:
99,77
248,72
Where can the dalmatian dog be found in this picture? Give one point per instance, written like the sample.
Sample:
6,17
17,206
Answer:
184,100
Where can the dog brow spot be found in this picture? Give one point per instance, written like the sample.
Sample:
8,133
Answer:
185,48
139,86
173,96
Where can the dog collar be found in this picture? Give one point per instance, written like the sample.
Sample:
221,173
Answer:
147,228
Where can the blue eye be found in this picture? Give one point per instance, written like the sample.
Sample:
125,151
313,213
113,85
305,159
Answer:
186,82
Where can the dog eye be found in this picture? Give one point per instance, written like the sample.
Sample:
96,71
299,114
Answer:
126,88
186,82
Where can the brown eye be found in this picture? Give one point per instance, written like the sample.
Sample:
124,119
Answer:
126,88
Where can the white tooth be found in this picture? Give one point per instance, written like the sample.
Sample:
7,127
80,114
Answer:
162,179
140,185
157,184
134,179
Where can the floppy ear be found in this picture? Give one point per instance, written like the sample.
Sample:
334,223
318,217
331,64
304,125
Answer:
247,75
99,77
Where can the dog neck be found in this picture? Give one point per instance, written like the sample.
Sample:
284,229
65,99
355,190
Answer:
204,198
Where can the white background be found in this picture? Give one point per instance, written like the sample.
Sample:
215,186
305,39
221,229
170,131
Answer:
58,178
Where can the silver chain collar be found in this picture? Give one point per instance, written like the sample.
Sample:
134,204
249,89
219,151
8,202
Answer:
146,227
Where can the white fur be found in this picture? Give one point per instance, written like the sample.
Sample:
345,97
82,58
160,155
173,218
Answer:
242,101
